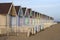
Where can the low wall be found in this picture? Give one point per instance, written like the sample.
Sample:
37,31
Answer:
4,30
26,29
46,25
21,29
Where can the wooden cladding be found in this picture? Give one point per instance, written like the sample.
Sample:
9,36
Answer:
13,11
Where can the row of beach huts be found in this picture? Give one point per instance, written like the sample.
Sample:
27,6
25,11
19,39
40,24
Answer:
21,19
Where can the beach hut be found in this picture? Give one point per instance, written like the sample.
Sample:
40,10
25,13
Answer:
30,16
27,16
36,16
6,11
33,18
38,22
19,15
23,17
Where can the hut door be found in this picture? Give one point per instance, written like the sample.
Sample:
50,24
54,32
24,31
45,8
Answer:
14,22
26,21
21,21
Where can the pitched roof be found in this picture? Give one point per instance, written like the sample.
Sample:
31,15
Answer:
17,8
36,14
4,8
24,9
29,10
33,12
51,18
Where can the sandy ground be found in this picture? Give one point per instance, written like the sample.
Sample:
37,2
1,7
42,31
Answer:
52,33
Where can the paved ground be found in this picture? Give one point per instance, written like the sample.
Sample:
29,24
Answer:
52,33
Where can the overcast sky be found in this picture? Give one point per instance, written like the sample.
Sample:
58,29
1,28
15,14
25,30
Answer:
48,7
